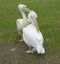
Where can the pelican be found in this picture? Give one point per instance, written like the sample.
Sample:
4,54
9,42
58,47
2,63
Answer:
21,23
32,36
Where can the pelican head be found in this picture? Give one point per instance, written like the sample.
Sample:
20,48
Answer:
23,8
32,16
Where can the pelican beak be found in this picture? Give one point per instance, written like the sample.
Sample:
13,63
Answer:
28,10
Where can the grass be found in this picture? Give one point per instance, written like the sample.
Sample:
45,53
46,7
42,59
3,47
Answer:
48,12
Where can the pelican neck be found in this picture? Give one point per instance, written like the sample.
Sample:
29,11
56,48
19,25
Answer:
23,15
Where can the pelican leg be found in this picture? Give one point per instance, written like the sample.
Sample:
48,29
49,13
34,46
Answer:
21,39
30,50
34,49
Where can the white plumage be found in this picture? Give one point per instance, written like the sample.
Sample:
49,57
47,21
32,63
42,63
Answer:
24,21
31,36
19,25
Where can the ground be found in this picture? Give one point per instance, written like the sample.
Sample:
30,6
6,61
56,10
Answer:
11,50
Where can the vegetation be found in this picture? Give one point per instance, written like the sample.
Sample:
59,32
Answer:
48,12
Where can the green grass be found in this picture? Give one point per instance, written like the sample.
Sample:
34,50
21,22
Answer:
48,12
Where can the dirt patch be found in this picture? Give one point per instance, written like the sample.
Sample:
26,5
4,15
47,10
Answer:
15,54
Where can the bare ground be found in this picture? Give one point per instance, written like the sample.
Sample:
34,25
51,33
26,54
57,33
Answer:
15,54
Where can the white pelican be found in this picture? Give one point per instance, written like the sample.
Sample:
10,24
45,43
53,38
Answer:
32,36
21,23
